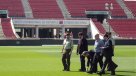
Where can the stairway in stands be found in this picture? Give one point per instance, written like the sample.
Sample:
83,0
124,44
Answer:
1,31
125,8
8,29
63,8
27,9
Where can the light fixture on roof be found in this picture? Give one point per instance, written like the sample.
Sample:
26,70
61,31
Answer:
109,7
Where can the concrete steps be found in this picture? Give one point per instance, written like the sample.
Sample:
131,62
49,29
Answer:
108,27
63,9
126,10
27,9
1,32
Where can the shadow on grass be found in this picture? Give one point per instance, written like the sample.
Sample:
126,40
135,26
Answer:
107,74
75,71
114,75
127,71
122,75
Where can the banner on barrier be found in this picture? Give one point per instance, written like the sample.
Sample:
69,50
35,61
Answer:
49,22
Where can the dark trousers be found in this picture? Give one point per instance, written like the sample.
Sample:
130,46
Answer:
109,66
108,61
66,59
97,59
82,60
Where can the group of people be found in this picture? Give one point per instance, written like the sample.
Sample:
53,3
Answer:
102,48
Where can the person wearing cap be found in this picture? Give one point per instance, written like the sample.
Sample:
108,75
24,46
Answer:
107,53
97,56
82,46
66,52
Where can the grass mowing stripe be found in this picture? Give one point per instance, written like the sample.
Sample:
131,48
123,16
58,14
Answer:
46,60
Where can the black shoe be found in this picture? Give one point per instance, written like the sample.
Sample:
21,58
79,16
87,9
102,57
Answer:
108,70
64,70
112,72
115,67
112,68
91,72
68,70
82,70
101,72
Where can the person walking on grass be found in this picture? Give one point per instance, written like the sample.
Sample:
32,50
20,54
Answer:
113,46
107,53
98,58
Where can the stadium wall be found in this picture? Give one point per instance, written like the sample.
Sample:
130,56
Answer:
40,42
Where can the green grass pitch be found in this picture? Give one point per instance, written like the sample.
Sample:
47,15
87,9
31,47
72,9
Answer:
46,61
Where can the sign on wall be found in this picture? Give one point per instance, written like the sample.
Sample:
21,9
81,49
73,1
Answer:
49,22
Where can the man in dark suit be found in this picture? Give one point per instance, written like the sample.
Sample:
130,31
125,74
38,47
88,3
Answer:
107,53
113,45
82,46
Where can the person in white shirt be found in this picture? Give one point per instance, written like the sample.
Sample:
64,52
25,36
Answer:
66,52
97,56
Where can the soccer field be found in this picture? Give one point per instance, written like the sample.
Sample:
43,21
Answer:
46,61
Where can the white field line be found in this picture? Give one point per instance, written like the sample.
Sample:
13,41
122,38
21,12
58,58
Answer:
47,51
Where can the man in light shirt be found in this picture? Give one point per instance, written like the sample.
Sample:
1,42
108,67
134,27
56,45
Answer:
66,52
97,56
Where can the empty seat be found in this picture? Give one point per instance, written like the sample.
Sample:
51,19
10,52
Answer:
124,27
7,28
45,9
132,6
77,8
14,7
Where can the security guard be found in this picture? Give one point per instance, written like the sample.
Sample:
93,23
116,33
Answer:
66,52
82,46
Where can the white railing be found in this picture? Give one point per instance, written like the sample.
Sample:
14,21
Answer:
13,29
94,30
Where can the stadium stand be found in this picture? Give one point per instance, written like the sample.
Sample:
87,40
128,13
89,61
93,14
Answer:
7,28
78,7
14,7
124,27
50,9
99,26
45,9
132,6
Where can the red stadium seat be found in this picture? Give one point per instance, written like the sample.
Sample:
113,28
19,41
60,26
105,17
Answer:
124,27
132,6
45,9
7,28
14,7
77,8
